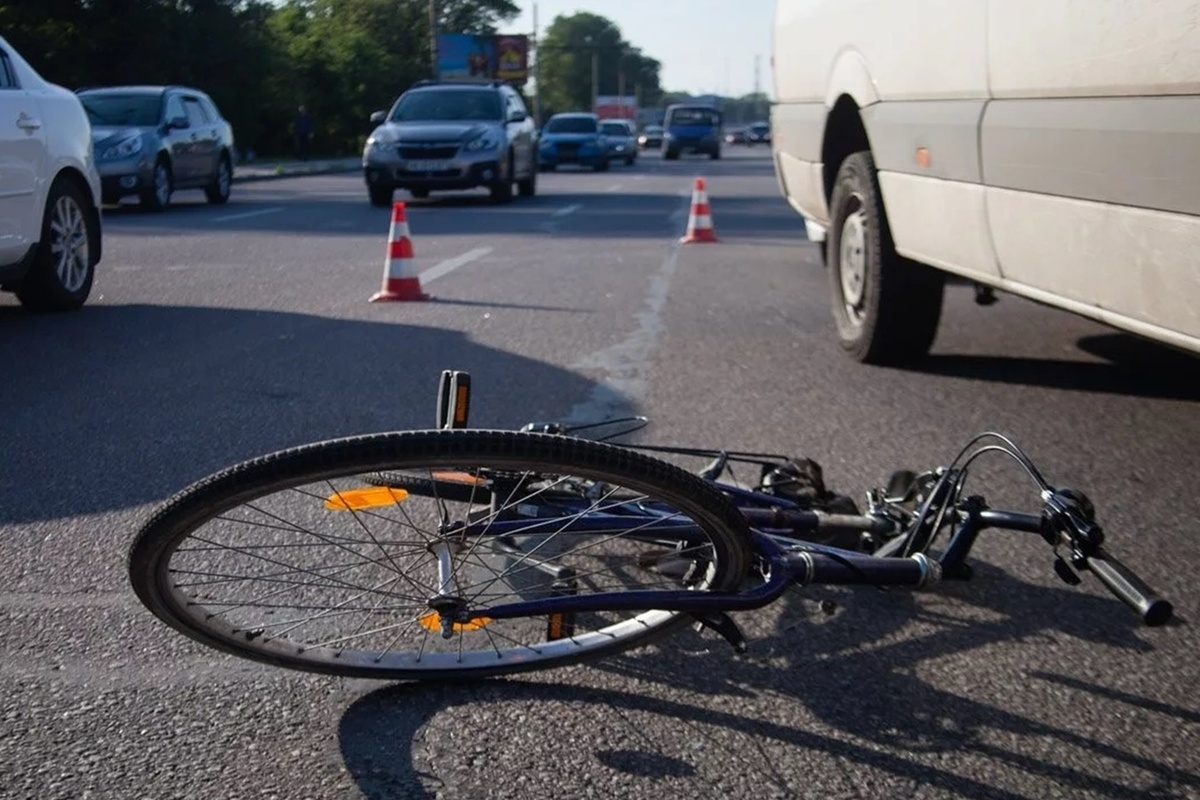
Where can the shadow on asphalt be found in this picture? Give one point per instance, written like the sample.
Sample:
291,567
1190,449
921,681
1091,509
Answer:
1135,367
861,682
177,392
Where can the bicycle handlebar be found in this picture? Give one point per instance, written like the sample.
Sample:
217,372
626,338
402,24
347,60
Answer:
1131,589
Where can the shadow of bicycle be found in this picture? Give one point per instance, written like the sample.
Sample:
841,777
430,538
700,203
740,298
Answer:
891,693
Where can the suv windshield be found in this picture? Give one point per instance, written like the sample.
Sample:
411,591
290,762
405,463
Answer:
695,116
614,129
122,109
453,105
571,125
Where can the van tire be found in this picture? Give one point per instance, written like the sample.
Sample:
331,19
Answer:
886,307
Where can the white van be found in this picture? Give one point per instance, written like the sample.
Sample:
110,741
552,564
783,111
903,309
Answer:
1048,148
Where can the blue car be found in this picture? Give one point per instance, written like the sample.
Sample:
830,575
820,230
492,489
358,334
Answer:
573,138
691,129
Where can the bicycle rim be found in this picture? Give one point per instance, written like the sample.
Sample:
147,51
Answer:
297,559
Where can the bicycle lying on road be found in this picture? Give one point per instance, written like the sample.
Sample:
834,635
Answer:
460,553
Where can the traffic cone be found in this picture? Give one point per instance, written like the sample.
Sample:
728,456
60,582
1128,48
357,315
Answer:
400,278
700,225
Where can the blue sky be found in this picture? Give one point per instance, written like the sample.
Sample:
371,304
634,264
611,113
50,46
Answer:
705,46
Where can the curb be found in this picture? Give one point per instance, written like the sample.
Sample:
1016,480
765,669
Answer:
295,170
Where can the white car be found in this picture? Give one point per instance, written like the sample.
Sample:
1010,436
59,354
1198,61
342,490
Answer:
49,190
1047,148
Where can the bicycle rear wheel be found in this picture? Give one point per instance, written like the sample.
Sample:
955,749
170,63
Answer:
297,559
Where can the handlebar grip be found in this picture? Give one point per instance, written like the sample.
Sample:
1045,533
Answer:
1121,581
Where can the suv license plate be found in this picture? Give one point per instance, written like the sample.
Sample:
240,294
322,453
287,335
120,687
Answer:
428,166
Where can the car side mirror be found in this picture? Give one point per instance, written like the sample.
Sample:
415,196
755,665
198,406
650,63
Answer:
517,116
377,117
178,124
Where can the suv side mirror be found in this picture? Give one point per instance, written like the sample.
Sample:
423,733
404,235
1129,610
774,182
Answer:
178,123
377,117
517,116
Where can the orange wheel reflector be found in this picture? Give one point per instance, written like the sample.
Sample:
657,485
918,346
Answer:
459,477
433,622
369,497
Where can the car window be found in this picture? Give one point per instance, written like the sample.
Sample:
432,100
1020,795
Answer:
210,108
175,107
8,76
195,112
122,109
695,116
518,104
614,129
571,125
450,106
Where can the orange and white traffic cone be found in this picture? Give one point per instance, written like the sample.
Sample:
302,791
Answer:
700,224
400,278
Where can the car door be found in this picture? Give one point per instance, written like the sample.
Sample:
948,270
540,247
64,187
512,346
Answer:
22,156
178,140
205,139
1089,153
521,134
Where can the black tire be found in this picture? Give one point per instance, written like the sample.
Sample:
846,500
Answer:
886,308
158,196
419,194
219,188
547,167
716,154
601,166
64,264
670,155
294,500
381,196
528,186
629,160
502,190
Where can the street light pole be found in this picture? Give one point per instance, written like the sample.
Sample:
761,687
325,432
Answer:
595,75
433,37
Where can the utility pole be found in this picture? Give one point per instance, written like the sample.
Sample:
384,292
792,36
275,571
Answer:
595,74
537,73
433,37
757,89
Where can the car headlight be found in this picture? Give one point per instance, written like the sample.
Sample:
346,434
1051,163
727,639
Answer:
380,140
129,146
485,141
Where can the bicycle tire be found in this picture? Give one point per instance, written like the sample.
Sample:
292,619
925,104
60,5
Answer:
219,497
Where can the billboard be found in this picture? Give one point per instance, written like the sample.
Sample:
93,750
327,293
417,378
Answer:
616,107
466,56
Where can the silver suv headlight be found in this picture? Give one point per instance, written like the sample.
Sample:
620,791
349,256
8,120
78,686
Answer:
131,145
381,140
488,140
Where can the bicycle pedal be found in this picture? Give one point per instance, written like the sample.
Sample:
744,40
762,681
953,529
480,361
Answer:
454,399
723,624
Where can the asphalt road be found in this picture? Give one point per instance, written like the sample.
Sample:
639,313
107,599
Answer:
219,333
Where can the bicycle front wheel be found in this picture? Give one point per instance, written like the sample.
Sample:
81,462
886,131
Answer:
302,560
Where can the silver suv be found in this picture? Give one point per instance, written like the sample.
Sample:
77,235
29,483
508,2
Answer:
154,140
452,135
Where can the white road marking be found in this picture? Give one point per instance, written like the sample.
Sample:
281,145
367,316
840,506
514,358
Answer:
616,187
451,264
624,368
571,209
248,214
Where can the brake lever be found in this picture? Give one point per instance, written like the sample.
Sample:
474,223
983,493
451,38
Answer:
1068,518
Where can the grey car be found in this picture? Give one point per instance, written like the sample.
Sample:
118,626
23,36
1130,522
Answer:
442,136
622,142
151,141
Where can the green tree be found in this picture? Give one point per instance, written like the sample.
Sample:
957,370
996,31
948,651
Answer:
474,16
566,55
